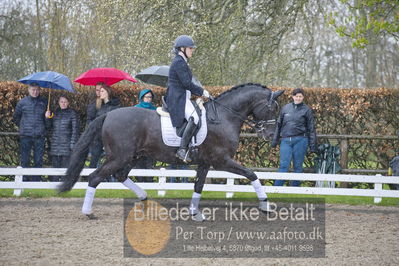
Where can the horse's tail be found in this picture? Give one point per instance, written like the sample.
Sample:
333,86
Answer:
80,153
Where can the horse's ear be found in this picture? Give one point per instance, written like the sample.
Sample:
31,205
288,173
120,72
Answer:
277,94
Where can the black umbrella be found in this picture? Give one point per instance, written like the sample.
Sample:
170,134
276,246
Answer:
158,75
155,75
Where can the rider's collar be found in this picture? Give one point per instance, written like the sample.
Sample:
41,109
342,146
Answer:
182,55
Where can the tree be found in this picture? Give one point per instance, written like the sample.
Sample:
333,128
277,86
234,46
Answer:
367,19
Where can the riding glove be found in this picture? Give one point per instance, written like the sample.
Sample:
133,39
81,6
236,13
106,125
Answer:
206,94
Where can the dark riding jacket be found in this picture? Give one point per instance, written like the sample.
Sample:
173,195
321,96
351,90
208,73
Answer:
29,116
296,120
65,131
180,80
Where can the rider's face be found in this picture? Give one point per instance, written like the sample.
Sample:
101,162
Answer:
189,51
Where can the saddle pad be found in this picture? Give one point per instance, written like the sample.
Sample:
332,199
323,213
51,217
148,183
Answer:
170,138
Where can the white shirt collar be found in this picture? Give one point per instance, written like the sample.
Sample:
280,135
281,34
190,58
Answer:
182,55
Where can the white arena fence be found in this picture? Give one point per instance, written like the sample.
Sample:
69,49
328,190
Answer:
378,180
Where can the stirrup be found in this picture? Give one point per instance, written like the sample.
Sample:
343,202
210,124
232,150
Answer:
185,158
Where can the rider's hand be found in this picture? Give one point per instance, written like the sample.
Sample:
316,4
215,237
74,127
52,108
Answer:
206,94
48,114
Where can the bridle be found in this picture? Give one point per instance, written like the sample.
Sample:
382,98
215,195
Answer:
258,126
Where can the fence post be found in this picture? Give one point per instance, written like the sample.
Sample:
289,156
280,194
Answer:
378,187
344,158
230,182
18,180
162,180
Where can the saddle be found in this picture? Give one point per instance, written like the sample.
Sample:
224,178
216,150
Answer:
172,137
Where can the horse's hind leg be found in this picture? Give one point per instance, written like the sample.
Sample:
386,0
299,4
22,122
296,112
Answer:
122,177
95,178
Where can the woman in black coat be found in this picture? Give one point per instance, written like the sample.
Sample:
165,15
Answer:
180,88
108,103
65,132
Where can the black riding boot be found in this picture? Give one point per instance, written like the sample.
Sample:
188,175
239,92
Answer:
182,152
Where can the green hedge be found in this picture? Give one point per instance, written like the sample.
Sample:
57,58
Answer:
337,111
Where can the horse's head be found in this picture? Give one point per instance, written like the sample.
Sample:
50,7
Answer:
265,112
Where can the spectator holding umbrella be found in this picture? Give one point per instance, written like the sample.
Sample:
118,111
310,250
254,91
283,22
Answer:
65,131
29,117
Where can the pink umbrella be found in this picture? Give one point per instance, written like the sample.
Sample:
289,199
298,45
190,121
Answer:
108,76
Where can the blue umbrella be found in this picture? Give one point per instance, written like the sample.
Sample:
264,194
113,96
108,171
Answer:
49,79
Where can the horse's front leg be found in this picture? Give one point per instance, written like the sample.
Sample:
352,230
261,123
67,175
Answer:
202,171
231,166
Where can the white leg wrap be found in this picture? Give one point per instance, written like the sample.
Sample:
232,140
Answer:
141,194
195,199
260,192
87,204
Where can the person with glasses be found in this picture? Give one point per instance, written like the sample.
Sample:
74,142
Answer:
146,97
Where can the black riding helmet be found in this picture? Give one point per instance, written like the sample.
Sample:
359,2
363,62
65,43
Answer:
184,41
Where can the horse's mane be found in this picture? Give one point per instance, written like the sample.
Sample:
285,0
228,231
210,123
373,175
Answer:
241,86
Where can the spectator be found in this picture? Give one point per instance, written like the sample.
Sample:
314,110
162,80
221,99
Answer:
65,131
108,103
94,106
29,116
146,97
296,128
105,104
95,148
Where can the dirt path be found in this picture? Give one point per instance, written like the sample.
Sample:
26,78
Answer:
52,232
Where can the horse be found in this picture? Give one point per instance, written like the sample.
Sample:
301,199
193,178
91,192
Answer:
130,132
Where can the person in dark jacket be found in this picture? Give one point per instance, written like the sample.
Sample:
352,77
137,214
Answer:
65,132
146,97
108,103
29,117
296,129
178,94
95,105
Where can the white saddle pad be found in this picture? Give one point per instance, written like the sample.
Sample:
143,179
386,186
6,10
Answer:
170,138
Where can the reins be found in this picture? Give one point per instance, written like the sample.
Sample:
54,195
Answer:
258,126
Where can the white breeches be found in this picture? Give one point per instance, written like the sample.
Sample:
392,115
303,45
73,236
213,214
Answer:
189,109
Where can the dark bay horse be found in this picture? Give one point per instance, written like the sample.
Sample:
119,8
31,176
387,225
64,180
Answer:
130,132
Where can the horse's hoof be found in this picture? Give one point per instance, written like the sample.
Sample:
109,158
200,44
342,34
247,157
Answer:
264,206
91,216
198,217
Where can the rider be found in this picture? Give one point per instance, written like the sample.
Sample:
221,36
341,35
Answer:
180,87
